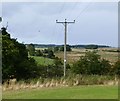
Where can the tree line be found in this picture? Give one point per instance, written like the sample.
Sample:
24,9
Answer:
72,46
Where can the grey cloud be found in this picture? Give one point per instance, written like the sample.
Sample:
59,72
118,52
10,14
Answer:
26,19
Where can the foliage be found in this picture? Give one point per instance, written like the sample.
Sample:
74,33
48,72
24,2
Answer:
45,51
53,70
111,50
56,49
51,54
15,61
116,68
31,49
91,63
48,53
91,46
68,48
38,53
61,48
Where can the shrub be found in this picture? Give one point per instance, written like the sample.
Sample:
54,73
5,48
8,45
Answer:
38,53
116,68
91,63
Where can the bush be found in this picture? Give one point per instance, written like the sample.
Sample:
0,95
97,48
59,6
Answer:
116,68
55,70
48,53
51,54
50,71
91,63
38,53
56,49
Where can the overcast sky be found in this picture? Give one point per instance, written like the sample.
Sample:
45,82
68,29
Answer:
96,23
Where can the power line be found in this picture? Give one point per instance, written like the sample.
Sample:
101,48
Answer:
69,14
59,11
62,7
65,23
83,10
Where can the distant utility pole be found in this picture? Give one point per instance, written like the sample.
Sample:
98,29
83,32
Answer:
65,40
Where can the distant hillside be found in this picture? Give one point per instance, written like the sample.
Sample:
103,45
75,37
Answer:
72,46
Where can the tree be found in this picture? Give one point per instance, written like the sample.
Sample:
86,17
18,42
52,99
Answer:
91,46
50,54
55,70
31,49
15,61
45,51
56,49
116,68
62,48
105,66
68,48
38,53
91,63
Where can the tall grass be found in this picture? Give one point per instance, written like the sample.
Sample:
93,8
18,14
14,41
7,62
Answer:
71,80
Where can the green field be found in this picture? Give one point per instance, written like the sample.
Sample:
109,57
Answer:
77,92
43,61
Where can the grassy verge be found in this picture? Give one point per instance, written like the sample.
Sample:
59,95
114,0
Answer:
77,92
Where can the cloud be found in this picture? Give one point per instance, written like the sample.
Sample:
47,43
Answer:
60,0
26,19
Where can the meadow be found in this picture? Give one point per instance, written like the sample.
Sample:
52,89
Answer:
75,92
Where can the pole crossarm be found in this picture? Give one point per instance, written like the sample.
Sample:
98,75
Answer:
65,21
65,41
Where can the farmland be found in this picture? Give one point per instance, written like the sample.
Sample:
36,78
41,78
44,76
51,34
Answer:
77,92
75,54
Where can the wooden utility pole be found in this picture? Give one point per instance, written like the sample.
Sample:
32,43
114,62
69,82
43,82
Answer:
65,23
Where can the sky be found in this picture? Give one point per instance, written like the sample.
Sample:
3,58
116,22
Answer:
35,22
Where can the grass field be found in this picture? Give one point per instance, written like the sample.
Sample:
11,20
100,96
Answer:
77,92
42,60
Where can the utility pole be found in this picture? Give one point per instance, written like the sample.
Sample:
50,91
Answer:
65,23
